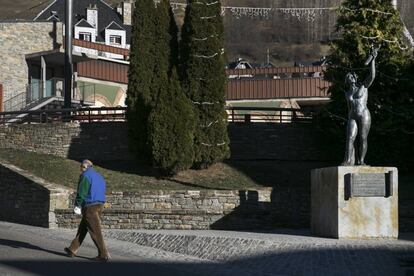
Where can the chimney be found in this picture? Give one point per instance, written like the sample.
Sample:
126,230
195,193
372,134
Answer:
127,12
119,8
92,16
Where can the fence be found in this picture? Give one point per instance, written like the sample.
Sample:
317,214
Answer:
64,115
268,115
235,115
15,103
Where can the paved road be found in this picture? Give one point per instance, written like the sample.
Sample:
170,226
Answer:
26,250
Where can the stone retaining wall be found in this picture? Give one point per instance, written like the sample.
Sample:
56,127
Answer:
108,141
95,141
27,199
210,209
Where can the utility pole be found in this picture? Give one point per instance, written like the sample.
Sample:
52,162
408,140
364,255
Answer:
68,54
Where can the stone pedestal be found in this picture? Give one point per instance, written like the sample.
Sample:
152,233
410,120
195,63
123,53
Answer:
355,202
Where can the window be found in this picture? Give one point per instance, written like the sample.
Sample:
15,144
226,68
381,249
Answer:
115,39
85,36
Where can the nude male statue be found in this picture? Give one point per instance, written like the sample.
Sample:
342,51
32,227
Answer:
359,118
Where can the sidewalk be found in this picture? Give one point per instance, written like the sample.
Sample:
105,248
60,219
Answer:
38,251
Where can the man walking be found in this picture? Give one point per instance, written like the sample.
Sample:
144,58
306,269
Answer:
89,202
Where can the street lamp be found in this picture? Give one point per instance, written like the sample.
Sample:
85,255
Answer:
68,54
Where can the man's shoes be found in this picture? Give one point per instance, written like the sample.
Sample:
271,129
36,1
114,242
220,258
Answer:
101,259
69,252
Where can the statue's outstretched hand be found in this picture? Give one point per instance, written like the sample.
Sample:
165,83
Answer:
374,52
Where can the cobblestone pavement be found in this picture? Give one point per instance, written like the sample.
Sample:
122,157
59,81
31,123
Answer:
292,252
171,252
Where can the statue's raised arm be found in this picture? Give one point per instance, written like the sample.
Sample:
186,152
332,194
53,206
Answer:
371,59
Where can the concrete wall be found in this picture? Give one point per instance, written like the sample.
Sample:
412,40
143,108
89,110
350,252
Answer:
18,39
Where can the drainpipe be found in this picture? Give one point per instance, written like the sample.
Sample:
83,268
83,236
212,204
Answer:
68,54
43,75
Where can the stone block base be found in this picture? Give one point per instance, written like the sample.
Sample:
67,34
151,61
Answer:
354,202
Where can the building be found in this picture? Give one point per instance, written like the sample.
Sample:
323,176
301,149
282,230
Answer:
95,21
33,55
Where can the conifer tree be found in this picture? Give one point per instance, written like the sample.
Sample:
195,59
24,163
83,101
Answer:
140,97
203,77
171,123
362,25
171,129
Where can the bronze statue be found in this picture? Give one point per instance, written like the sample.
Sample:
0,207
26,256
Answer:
359,118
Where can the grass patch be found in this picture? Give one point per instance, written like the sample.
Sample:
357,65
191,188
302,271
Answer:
128,176
232,175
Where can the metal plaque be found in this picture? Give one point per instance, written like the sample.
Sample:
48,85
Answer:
368,185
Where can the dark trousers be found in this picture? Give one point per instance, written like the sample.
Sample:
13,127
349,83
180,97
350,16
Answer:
91,222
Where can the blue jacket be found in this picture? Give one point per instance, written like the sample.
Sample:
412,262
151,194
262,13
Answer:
91,189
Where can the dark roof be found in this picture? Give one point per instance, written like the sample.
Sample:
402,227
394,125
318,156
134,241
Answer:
106,15
114,26
320,62
84,23
235,63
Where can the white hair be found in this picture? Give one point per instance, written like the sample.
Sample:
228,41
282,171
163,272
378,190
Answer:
86,163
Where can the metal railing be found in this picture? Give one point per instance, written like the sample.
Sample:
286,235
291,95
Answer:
110,114
64,115
268,115
17,102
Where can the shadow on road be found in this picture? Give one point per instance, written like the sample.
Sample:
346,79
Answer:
19,244
290,261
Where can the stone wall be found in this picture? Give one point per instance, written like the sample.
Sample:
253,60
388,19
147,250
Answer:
17,39
209,209
27,199
95,141
290,142
199,210
108,141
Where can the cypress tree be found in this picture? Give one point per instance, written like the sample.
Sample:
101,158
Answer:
171,128
140,97
360,26
203,76
171,122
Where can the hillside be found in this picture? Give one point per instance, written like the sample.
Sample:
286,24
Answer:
288,37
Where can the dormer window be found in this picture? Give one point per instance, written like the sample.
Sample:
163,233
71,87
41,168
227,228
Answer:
85,36
115,39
